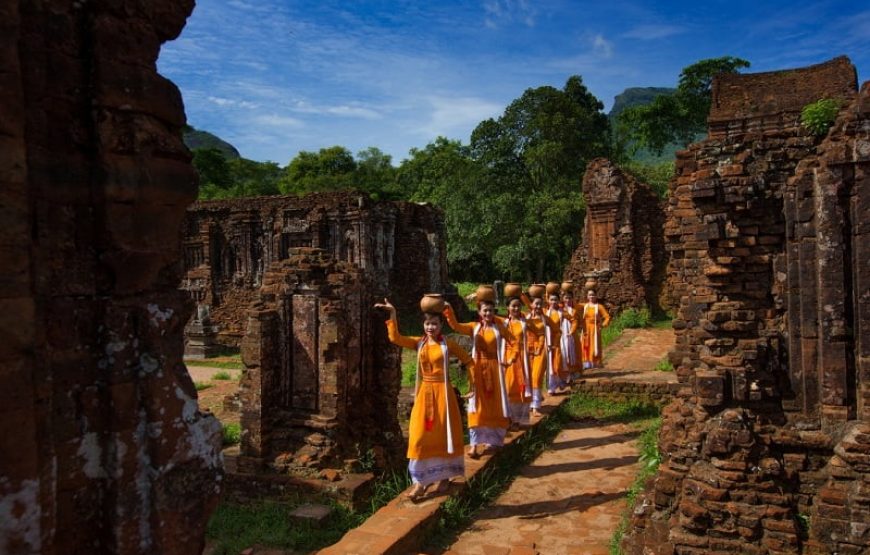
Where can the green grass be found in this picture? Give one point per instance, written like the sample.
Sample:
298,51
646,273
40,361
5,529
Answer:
221,376
234,528
629,318
225,364
409,367
487,485
201,385
664,365
466,288
232,433
651,458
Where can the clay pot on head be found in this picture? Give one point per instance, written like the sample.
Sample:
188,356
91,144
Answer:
485,293
568,286
590,284
553,288
536,290
432,303
512,290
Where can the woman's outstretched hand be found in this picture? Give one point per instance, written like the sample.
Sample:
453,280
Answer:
386,305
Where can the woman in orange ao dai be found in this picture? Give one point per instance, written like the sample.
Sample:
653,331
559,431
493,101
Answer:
488,410
567,326
571,344
540,344
435,433
518,377
594,318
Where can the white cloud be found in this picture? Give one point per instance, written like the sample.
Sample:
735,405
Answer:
457,116
602,46
350,111
230,103
498,12
277,120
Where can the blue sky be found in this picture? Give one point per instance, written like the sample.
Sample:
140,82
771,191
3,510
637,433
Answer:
274,77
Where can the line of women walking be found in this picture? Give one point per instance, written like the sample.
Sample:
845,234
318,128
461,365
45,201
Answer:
511,360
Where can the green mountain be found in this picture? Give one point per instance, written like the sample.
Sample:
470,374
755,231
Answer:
636,96
195,138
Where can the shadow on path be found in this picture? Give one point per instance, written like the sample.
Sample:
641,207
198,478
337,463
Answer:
542,509
608,463
591,442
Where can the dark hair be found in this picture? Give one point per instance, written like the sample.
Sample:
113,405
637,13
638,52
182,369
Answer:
481,303
427,315
512,299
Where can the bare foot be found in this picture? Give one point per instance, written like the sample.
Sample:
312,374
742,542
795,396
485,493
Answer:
416,493
473,453
442,487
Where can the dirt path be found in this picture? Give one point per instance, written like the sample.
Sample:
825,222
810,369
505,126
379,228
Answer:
639,350
212,397
571,498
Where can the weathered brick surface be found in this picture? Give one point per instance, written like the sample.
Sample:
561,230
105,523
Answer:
102,448
292,280
622,248
230,245
767,234
321,381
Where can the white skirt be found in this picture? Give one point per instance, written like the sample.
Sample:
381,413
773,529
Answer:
483,435
520,413
434,469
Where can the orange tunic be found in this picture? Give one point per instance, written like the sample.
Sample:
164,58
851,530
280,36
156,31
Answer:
538,348
593,320
575,337
556,318
486,378
519,386
427,434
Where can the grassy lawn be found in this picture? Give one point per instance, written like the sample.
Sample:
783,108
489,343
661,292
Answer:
225,364
233,528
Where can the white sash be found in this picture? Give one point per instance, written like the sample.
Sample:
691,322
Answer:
499,353
445,359
548,340
569,351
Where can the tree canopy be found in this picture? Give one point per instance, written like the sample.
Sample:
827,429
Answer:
512,196
677,117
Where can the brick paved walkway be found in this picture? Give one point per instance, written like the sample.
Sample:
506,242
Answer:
569,500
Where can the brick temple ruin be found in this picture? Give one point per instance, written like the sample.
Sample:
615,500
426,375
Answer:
622,247
767,447
292,280
765,450
102,446
229,246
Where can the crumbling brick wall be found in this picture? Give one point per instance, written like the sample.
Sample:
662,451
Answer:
764,227
102,448
321,380
230,244
622,248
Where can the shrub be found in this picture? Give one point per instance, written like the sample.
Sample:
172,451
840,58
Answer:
818,116
664,365
201,385
222,375
232,433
